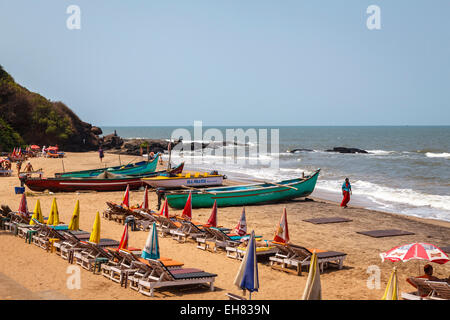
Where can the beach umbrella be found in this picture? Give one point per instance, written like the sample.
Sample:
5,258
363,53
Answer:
145,203
416,251
126,197
187,211
212,221
282,233
151,249
241,228
165,209
391,292
75,221
53,218
124,240
23,206
313,289
37,213
247,276
95,234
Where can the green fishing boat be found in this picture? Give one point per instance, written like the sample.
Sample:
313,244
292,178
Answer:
245,194
133,169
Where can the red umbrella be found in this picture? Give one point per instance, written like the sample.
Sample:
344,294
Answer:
187,211
126,197
212,221
241,228
35,147
124,240
416,251
165,209
282,233
145,203
23,207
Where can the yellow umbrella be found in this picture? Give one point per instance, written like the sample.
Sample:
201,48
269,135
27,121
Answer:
53,218
95,234
37,213
313,289
391,292
75,222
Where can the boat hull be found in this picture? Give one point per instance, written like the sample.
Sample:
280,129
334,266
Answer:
91,184
246,195
178,182
134,169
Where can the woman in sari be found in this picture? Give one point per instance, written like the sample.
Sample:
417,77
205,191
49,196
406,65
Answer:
346,192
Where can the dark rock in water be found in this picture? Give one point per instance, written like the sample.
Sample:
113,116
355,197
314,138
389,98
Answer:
300,150
346,150
133,146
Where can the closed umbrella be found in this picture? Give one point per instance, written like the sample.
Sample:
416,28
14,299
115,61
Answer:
247,276
145,203
391,292
212,221
23,206
165,209
126,197
282,232
313,288
53,218
187,211
151,249
241,228
37,213
124,240
95,234
75,221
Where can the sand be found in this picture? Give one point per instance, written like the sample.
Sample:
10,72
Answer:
28,272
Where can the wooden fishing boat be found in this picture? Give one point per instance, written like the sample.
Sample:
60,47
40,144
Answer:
103,182
245,194
196,179
133,169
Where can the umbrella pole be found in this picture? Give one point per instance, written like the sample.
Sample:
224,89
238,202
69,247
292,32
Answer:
250,296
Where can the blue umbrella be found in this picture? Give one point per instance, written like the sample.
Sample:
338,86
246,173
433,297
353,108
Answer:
247,277
151,249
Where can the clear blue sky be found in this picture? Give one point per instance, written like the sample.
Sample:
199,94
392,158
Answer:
230,62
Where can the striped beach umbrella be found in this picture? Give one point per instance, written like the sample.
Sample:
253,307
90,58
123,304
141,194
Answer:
416,251
247,276
241,228
313,288
23,206
165,209
126,197
151,249
75,221
124,240
212,221
391,292
95,234
187,211
145,203
282,232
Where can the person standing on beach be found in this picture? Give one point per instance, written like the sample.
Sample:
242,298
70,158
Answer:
101,154
346,192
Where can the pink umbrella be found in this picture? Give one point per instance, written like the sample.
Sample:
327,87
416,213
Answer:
145,203
187,211
416,251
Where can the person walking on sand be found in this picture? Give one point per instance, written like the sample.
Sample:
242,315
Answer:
101,154
346,192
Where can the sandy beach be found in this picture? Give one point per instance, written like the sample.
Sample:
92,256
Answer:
28,272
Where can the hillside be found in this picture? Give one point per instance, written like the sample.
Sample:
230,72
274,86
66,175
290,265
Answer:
29,118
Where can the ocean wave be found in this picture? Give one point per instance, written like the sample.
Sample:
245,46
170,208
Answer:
381,152
438,155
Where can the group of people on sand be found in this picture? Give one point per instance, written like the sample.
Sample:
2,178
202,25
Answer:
5,164
28,167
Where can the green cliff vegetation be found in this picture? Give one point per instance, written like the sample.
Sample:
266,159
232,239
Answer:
29,118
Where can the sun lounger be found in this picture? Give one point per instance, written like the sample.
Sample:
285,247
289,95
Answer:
262,251
298,256
166,224
187,230
441,290
232,296
86,257
161,276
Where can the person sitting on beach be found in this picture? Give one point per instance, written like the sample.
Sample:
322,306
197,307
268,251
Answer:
428,270
346,192
28,167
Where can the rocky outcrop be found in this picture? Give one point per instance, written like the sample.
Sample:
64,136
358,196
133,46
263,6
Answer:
346,150
115,144
300,150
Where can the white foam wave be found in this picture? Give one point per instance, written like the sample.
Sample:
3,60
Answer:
380,152
438,155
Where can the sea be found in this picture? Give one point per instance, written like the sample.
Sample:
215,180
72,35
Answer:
407,169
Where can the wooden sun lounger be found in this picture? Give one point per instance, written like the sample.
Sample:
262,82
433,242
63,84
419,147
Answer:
166,224
86,257
161,276
297,256
187,230
441,290
261,252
